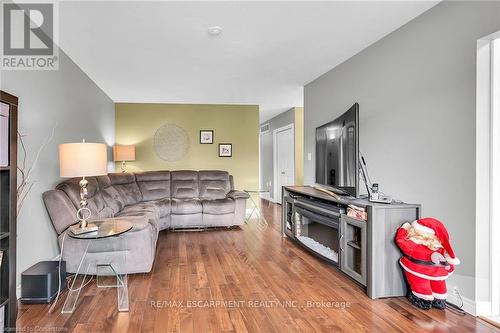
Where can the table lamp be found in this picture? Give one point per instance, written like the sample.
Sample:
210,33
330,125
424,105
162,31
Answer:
123,154
83,160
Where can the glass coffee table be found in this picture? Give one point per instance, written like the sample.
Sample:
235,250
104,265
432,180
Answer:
109,240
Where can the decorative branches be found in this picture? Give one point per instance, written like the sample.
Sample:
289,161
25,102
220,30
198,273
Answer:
25,181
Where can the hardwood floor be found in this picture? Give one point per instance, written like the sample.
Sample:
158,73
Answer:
269,284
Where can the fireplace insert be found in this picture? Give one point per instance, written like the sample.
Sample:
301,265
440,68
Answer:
317,228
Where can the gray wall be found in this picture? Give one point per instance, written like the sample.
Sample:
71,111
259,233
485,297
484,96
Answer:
81,110
266,148
416,89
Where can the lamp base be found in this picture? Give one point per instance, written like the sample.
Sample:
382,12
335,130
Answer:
77,230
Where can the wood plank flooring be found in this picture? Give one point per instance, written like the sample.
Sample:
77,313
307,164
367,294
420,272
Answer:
241,280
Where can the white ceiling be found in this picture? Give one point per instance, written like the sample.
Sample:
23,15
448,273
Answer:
161,51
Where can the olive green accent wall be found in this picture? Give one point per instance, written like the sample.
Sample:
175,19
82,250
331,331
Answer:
136,123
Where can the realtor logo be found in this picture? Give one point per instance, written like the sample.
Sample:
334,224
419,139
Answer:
28,36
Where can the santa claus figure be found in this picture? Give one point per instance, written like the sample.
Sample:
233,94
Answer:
428,259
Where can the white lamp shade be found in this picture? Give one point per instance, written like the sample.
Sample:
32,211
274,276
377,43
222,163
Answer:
124,153
83,159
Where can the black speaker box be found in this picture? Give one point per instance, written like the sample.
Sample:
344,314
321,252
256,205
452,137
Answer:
40,282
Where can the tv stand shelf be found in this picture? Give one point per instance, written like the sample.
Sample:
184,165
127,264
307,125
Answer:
354,245
367,251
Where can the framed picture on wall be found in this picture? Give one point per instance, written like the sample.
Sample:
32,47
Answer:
206,137
225,149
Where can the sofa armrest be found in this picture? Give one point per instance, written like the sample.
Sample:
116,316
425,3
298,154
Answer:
61,210
238,195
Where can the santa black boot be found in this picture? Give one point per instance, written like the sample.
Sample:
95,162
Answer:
439,303
419,302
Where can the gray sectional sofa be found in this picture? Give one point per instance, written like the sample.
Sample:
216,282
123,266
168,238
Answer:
151,201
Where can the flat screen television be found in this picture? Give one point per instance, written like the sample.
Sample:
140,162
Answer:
337,153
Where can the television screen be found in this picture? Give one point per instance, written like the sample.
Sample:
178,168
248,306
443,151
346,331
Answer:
337,151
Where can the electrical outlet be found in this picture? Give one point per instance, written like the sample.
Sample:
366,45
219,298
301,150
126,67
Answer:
455,290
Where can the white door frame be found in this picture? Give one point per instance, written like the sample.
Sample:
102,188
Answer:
495,178
487,272
276,192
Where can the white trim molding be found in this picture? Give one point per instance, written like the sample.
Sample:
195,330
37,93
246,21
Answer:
487,251
469,305
495,186
276,191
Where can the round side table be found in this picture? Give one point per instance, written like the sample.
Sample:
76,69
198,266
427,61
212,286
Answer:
106,265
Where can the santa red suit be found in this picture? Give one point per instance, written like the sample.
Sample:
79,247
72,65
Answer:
426,266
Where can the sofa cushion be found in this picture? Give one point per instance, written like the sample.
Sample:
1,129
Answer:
154,185
186,206
148,209
127,187
185,184
72,189
112,198
218,206
95,201
214,184
163,205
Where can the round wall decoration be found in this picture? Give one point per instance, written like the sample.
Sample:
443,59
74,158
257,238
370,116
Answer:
171,142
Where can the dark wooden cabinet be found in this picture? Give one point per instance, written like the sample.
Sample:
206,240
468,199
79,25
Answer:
8,208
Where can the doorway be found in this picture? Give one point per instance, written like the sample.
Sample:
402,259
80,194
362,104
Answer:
283,159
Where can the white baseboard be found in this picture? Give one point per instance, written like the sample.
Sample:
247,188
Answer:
469,305
483,309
